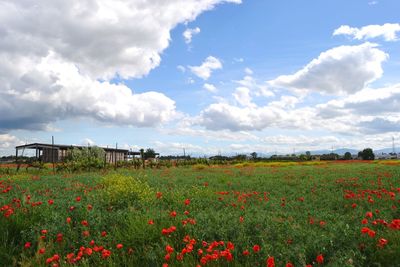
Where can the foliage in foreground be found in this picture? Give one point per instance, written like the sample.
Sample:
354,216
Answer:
246,215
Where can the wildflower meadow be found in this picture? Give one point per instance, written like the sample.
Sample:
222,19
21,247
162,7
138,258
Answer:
331,214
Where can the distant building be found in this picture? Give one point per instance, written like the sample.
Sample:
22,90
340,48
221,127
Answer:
386,156
48,153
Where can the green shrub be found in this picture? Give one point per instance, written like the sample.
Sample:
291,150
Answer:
120,188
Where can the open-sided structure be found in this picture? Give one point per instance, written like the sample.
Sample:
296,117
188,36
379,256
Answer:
49,153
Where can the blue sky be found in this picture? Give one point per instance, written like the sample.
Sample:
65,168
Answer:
260,76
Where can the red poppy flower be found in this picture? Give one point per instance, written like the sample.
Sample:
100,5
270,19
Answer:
256,248
50,201
382,242
28,245
172,214
320,259
78,199
151,222
104,233
289,264
85,233
187,201
56,257
68,220
88,251
246,252
42,251
159,195
169,249
270,262
105,253
120,246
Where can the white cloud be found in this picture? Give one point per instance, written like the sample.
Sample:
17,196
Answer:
242,96
368,111
9,141
210,87
55,89
223,116
88,142
388,31
190,80
256,88
189,33
248,71
372,3
181,68
205,69
90,42
340,70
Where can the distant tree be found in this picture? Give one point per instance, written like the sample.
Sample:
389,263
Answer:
367,154
149,153
303,157
253,155
347,156
240,157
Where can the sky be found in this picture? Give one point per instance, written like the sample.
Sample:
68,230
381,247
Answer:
208,76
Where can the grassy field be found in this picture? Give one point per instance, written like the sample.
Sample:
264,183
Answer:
333,214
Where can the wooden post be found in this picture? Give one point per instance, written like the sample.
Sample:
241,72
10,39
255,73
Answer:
16,158
115,154
52,153
143,160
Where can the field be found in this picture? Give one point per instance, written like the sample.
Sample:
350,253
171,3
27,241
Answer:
332,214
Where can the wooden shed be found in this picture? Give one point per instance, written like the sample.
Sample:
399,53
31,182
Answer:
49,153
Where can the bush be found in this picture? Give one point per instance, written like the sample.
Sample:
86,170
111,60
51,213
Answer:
122,188
84,158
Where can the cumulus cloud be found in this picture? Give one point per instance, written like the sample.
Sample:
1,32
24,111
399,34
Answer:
189,33
242,96
380,125
367,102
90,43
205,69
248,71
365,112
210,87
340,70
9,141
388,31
223,116
55,89
368,111
258,89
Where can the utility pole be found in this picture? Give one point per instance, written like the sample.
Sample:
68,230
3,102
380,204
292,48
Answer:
393,148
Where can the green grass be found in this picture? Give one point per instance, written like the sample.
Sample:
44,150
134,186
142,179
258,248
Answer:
294,213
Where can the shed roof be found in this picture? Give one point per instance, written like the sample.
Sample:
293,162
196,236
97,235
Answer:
58,146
